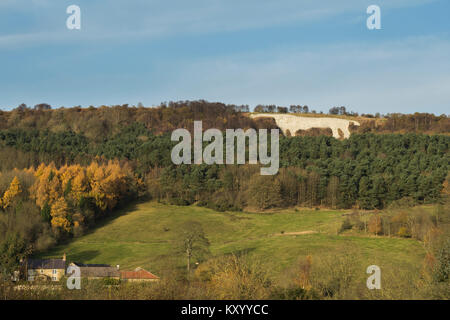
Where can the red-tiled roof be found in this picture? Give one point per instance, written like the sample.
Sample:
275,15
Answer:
138,274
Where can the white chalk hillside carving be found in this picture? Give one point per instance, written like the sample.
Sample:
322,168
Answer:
294,123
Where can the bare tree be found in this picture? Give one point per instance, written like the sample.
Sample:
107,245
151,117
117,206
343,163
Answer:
194,242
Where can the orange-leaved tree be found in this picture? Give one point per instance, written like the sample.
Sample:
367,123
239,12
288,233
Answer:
13,191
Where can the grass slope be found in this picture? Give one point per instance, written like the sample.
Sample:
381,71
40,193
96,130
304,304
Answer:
145,235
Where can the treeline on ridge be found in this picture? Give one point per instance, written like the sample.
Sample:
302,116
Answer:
101,123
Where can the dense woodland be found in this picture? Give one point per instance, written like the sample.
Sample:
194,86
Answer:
63,169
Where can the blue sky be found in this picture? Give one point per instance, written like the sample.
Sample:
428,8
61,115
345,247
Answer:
315,53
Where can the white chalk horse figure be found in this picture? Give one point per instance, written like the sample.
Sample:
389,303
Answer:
294,123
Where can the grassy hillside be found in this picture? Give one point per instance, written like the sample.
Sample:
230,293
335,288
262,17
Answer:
145,235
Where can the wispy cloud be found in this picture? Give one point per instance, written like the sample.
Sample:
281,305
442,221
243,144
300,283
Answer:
407,76
159,50
118,19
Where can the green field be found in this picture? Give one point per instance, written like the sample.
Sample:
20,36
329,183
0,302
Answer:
145,234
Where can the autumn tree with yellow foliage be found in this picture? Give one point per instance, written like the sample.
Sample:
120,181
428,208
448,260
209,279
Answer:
69,190
13,191
60,213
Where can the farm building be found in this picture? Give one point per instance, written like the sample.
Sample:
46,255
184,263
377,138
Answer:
138,275
45,269
97,271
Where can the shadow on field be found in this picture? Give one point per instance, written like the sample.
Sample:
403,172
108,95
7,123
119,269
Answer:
101,222
83,256
110,217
